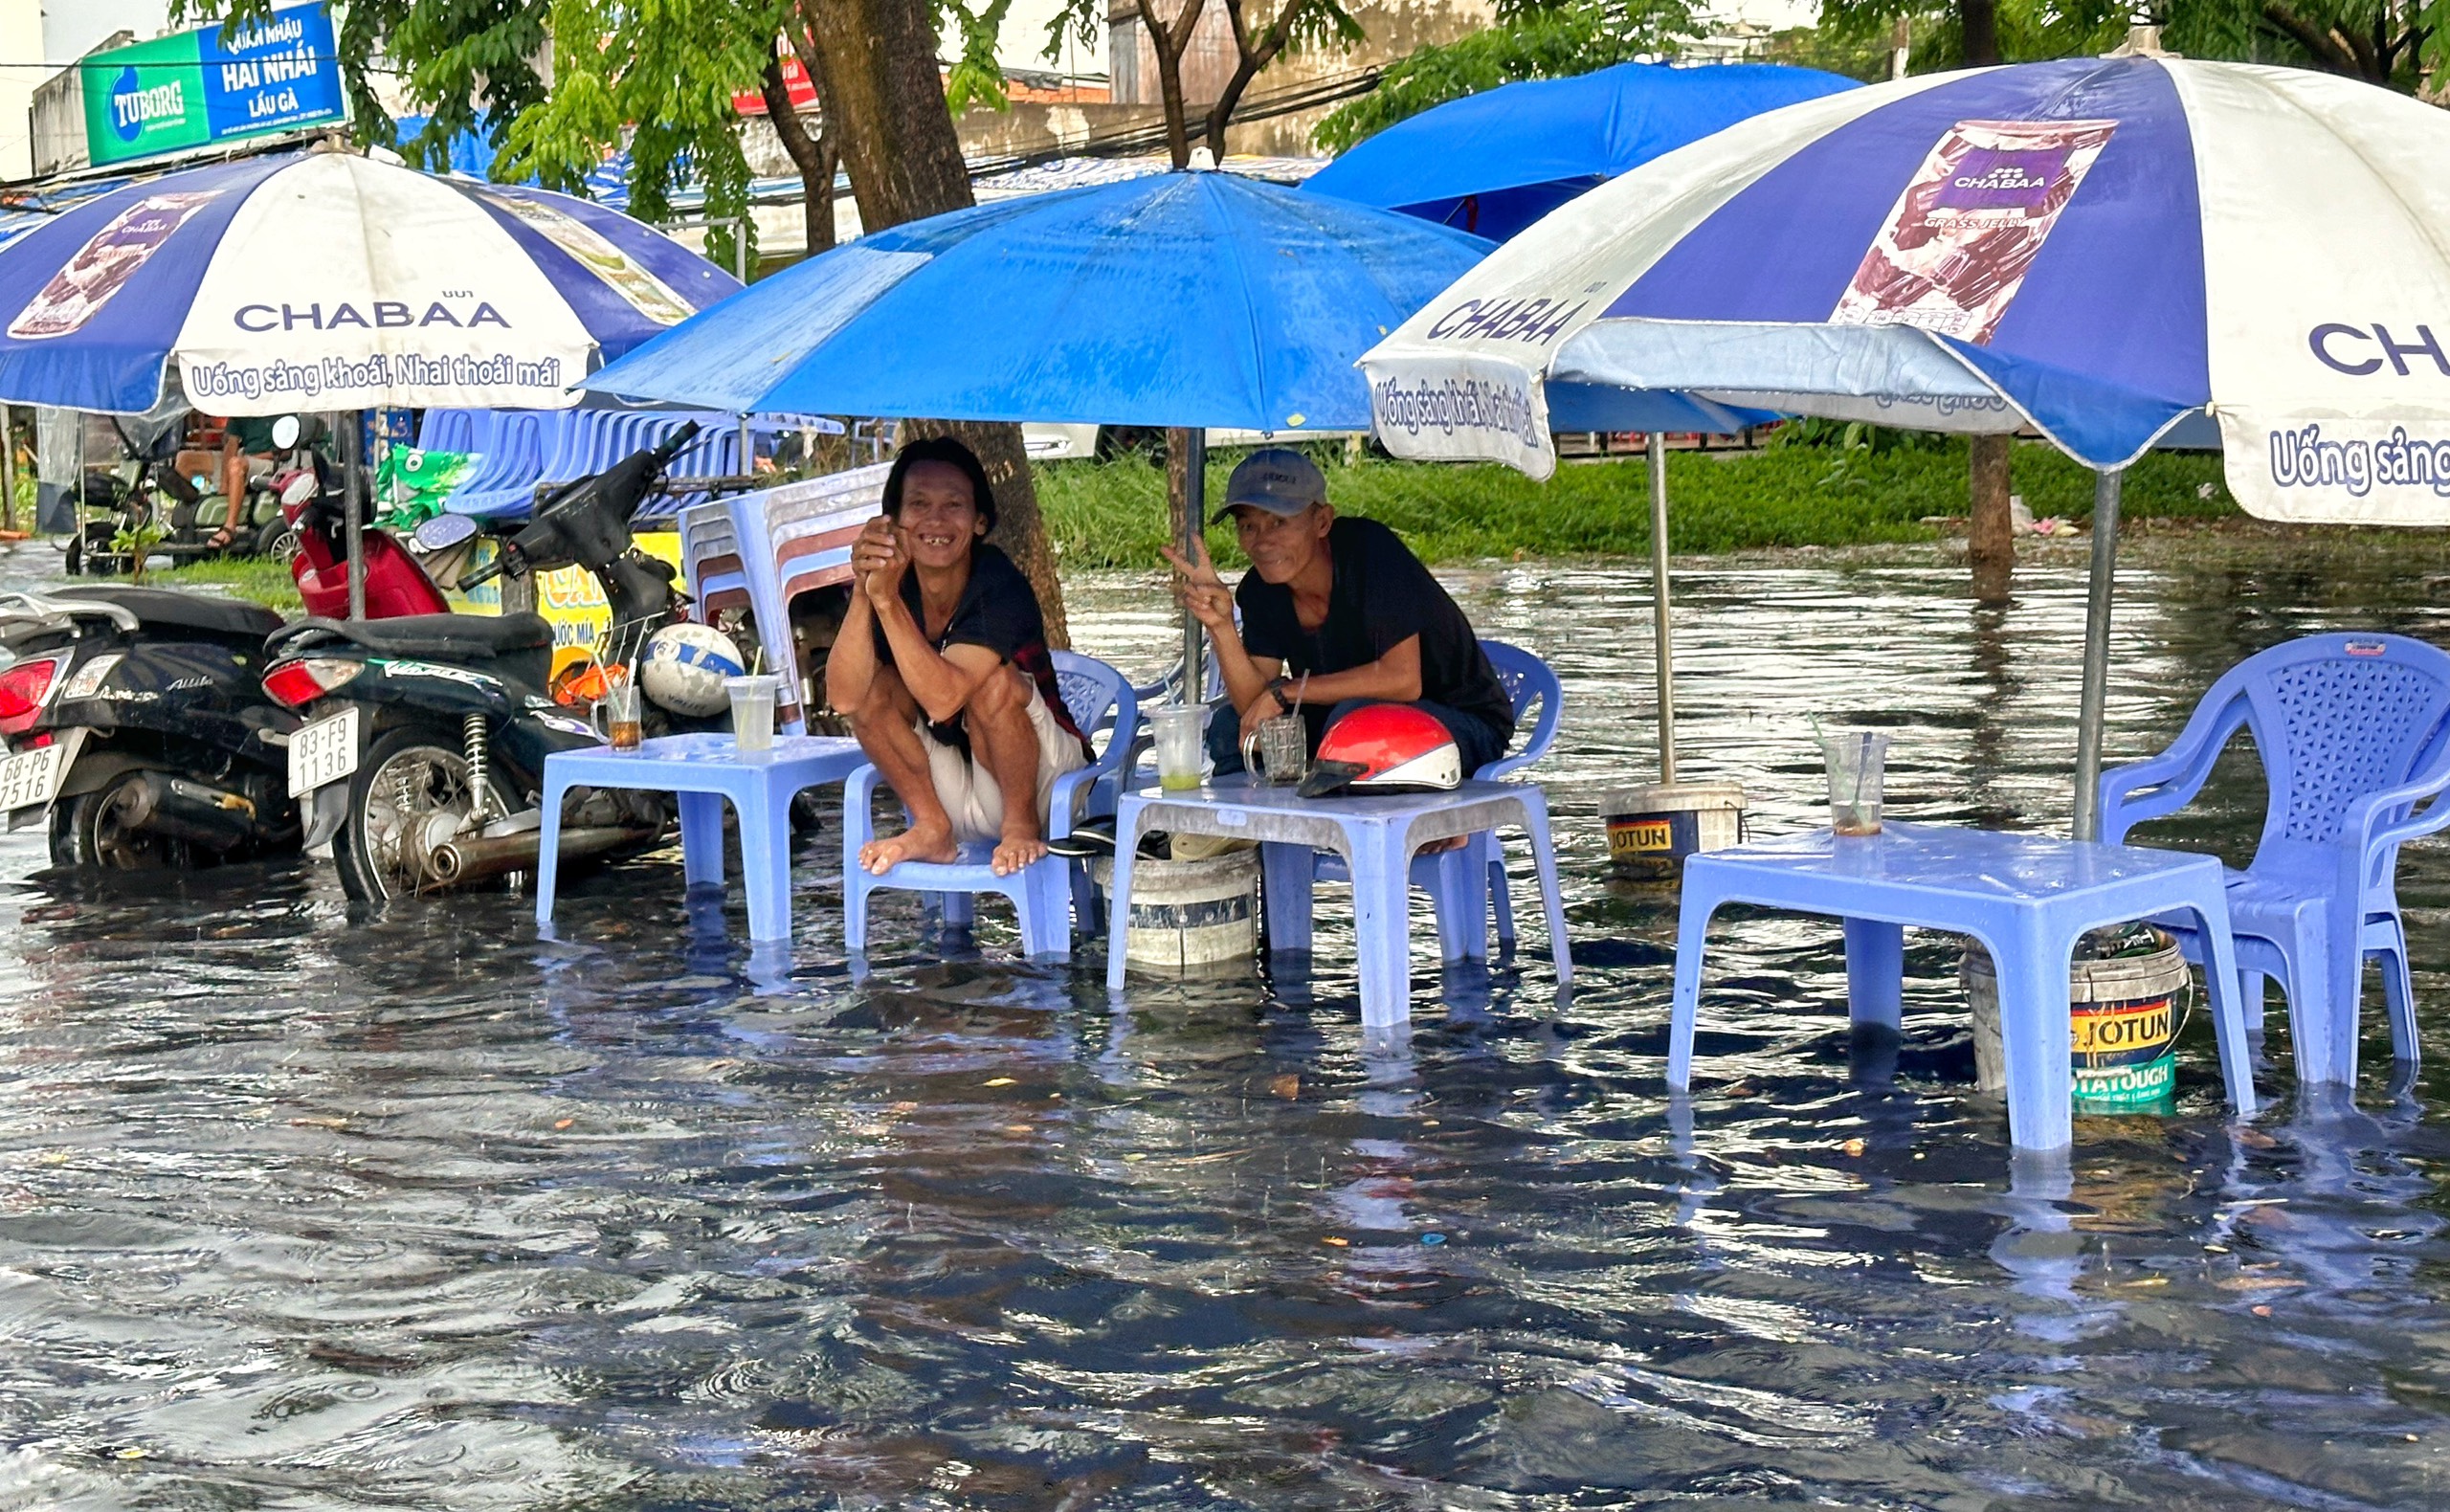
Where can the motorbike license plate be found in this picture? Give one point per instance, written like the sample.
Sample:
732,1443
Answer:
323,751
29,780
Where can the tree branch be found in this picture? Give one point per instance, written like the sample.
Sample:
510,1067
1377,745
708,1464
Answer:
1250,59
811,155
2319,45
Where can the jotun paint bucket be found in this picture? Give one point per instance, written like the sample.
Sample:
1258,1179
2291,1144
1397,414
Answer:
2125,1013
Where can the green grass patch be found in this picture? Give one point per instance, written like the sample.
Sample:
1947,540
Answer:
1113,513
265,582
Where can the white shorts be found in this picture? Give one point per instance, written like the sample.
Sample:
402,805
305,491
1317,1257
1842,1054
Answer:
968,790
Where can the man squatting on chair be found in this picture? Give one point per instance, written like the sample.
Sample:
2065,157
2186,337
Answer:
1344,601
951,692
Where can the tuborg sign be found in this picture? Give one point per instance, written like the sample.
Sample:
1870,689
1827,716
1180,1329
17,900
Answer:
196,88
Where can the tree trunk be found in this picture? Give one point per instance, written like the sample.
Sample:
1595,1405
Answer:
1991,539
812,155
885,105
1978,25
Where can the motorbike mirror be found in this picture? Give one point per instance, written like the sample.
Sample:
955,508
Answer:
442,532
284,432
300,487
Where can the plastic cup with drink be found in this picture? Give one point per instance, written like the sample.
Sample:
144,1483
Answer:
752,710
617,715
1855,757
1180,730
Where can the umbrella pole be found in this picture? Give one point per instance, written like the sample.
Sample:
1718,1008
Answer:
2096,694
1186,487
353,506
1659,611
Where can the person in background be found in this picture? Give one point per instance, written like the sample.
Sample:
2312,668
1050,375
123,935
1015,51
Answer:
1335,614
942,669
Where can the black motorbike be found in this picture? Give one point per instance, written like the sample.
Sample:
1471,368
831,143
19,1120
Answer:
138,727
423,755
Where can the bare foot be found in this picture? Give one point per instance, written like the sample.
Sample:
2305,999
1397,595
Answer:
881,857
1453,842
1015,852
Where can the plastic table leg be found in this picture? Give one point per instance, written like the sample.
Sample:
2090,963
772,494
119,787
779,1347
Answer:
1534,807
1381,923
702,837
1287,872
1501,899
1876,972
2035,1034
1459,893
765,866
1692,940
548,849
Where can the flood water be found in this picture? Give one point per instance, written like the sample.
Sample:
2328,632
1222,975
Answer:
302,1207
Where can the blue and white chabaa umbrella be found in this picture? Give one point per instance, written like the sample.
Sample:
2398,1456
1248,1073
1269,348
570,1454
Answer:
330,281
2106,248
2116,251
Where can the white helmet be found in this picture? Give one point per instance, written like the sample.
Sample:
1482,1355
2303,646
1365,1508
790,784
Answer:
684,668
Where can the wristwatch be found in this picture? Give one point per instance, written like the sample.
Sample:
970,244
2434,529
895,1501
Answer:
1284,704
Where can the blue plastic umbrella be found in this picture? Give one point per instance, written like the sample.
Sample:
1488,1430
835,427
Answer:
1181,300
1495,162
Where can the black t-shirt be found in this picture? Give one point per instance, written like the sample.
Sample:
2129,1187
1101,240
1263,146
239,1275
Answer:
1382,597
998,609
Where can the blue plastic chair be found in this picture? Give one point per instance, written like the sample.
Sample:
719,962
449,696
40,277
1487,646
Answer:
1464,884
1042,892
2355,733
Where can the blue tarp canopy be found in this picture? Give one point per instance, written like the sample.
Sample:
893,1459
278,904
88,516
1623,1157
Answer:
1495,162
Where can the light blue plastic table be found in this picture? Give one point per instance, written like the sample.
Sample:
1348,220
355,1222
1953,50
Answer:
704,769
1377,834
2027,898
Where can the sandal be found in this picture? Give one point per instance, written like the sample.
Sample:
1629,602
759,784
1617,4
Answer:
1093,838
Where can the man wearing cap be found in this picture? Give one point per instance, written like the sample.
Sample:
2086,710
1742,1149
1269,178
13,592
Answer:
1335,614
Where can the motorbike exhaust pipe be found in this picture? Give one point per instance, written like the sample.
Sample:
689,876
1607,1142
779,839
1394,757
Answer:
456,863
182,810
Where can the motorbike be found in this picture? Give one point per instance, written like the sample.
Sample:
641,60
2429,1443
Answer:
136,720
145,492
422,752
138,730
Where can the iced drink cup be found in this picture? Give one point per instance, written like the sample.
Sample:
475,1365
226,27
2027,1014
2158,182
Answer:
752,710
1856,759
1178,728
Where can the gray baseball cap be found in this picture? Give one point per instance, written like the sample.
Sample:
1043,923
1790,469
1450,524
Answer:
1276,479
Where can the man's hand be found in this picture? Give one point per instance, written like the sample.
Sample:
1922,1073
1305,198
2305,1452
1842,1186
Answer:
1198,589
877,561
1263,710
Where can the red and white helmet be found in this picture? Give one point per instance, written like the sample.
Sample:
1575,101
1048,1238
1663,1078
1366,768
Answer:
1385,747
